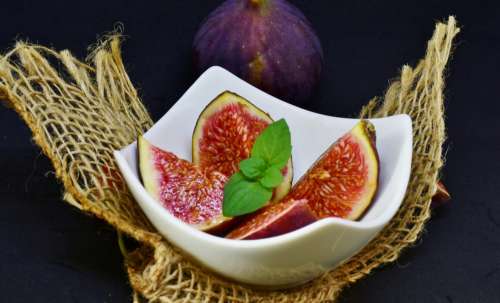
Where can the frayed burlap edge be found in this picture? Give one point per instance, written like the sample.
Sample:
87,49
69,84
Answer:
81,113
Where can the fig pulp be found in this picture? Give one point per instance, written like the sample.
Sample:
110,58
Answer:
274,220
269,43
342,183
225,133
183,189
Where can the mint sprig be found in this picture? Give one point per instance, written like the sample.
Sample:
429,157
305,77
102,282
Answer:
252,187
253,168
243,196
272,177
274,144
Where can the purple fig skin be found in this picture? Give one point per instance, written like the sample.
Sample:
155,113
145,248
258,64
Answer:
268,43
273,221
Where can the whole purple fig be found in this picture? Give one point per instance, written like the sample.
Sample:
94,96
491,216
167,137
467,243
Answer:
269,43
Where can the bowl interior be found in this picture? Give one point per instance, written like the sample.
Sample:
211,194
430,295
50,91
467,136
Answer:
311,135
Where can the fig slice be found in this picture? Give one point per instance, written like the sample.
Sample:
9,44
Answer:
344,180
183,189
225,133
342,183
274,220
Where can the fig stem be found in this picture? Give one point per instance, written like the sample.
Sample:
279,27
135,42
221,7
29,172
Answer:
257,3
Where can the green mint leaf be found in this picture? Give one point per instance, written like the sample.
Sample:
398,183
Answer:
253,168
272,177
231,186
252,187
274,144
243,196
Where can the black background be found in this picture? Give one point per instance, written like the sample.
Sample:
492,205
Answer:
50,252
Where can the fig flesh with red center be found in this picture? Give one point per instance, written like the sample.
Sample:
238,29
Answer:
183,189
344,181
224,136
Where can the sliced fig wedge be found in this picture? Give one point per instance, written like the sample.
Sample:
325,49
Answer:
225,133
344,181
274,220
183,189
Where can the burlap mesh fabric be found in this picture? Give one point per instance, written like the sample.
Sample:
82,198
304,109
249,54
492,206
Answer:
79,112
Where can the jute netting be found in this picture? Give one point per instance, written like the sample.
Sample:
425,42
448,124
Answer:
79,112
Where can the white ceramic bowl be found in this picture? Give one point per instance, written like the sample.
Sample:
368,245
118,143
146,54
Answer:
296,257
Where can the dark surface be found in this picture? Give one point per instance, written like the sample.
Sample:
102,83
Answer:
50,252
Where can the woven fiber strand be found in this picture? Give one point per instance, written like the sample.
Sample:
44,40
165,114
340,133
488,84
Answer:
81,111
